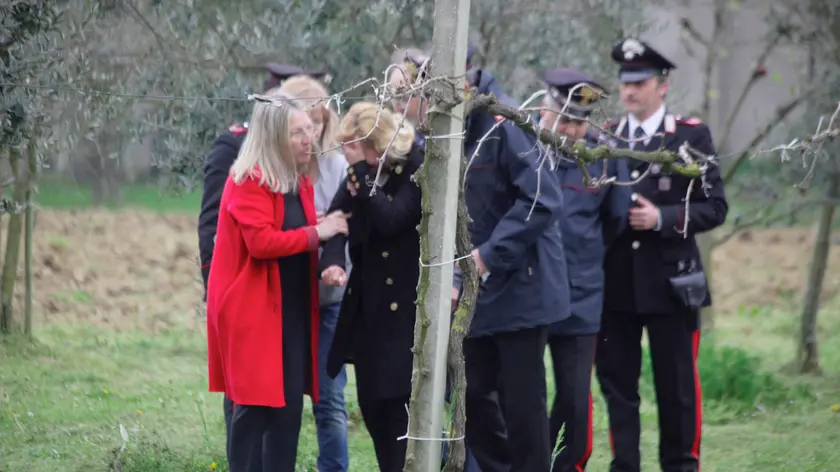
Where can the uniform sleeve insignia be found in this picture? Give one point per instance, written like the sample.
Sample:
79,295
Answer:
238,129
690,121
498,118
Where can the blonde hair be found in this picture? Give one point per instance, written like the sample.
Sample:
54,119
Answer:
265,154
309,93
378,126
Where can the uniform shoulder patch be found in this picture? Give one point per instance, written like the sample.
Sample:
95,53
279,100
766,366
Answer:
238,129
689,120
498,118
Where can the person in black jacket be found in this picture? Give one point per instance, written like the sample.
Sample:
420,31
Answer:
514,202
654,278
375,329
592,218
217,165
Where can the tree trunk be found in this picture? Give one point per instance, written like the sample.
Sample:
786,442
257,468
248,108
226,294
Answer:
438,178
460,327
31,183
807,354
10,263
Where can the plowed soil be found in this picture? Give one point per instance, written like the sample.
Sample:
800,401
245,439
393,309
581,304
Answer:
137,269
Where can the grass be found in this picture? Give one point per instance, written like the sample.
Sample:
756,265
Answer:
64,398
63,195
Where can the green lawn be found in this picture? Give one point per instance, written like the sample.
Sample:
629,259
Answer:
63,195
64,399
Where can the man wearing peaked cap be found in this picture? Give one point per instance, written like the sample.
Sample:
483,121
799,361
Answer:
278,73
585,94
654,277
217,166
592,217
514,203
412,63
639,61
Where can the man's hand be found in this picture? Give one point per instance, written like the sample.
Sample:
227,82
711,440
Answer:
645,216
479,264
454,299
334,276
319,216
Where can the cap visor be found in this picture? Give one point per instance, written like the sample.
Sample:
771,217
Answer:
631,76
577,113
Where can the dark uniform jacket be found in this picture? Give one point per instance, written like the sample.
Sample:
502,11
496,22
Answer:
592,219
639,264
375,328
216,170
514,207
487,84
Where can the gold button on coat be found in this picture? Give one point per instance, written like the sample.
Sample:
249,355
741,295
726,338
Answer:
398,170
389,281
394,306
384,254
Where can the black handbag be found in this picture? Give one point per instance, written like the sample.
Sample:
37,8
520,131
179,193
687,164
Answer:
690,288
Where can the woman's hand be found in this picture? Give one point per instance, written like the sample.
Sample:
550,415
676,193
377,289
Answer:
334,276
319,216
332,224
353,152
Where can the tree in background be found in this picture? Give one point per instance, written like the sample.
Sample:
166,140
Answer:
29,50
818,20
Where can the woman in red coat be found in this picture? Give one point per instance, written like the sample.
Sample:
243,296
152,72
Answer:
262,298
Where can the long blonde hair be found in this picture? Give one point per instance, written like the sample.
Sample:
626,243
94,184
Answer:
310,93
378,126
265,155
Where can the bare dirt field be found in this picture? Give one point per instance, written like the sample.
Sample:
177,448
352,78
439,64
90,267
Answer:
138,269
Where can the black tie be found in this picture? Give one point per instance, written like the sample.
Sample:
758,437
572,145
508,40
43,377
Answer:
638,134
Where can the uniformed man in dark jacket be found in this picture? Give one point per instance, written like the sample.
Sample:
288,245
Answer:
514,208
592,218
399,79
654,276
417,105
216,169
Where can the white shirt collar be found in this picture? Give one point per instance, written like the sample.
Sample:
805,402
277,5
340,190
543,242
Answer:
650,125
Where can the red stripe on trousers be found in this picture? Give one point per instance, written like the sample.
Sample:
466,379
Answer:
698,402
586,455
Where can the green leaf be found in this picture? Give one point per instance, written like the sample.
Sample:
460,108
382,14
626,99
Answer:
713,94
777,77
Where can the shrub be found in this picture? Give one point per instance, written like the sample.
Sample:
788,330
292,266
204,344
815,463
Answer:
733,379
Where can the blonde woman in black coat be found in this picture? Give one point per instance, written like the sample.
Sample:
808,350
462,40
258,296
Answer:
376,323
